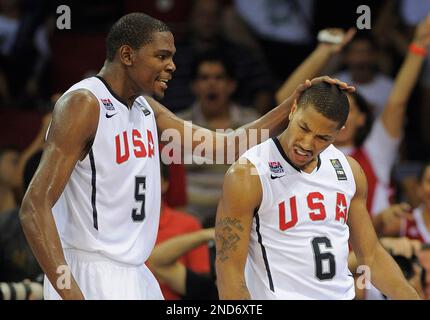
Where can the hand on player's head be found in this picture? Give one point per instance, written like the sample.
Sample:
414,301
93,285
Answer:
308,83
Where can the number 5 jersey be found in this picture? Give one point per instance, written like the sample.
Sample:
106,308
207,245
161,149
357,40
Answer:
299,237
111,203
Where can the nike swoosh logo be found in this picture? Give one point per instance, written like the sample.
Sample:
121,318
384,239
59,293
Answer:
276,177
110,115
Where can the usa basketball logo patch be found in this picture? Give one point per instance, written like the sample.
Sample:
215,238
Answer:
276,167
341,175
108,104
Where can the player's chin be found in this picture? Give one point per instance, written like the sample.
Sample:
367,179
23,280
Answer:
159,93
159,90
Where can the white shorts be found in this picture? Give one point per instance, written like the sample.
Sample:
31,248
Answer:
100,278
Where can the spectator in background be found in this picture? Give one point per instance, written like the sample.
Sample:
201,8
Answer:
284,28
361,60
17,262
24,48
205,35
213,85
172,224
16,258
166,266
8,170
415,225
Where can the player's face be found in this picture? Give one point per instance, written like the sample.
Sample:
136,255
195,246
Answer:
153,64
309,133
424,188
355,121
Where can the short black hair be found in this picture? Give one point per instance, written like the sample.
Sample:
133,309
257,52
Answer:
328,99
214,57
423,170
134,29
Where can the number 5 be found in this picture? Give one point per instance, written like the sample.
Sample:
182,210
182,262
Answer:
139,195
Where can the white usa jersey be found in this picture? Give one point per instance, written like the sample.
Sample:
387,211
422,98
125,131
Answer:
299,238
111,203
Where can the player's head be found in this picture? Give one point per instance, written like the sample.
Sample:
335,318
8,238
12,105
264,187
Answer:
358,124
8,166
424,184
145,47
213,81
315,120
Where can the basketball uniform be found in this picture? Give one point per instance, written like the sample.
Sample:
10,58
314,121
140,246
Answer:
108,214
299,238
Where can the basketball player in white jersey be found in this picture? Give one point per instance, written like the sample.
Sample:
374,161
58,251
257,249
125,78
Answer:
288,208
91,212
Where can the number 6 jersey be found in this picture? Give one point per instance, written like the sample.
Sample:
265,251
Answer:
299,237
111,203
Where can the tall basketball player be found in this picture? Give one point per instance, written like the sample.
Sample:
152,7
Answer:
288,208
91,212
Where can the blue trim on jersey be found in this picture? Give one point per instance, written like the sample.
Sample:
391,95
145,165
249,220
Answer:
93,189
263,251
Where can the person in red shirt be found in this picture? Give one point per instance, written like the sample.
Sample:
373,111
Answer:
418,227
174,223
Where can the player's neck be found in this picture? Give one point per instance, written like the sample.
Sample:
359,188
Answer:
119,83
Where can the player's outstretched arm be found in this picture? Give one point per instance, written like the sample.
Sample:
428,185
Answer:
241,194
385,273
394,112
211,144
73,128
315,62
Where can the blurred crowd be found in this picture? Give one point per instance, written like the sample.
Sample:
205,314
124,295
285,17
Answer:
236,60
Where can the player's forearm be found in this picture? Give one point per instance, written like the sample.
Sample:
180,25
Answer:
394,112
307,70
231,283
388,278
41,233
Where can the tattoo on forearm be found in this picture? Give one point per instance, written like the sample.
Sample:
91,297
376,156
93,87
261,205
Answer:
227,236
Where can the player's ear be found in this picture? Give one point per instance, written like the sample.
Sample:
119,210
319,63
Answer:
293,110
126,55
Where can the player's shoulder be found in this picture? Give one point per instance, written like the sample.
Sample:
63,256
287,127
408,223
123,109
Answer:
242,177
80,101
358,173
242,168
355,166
